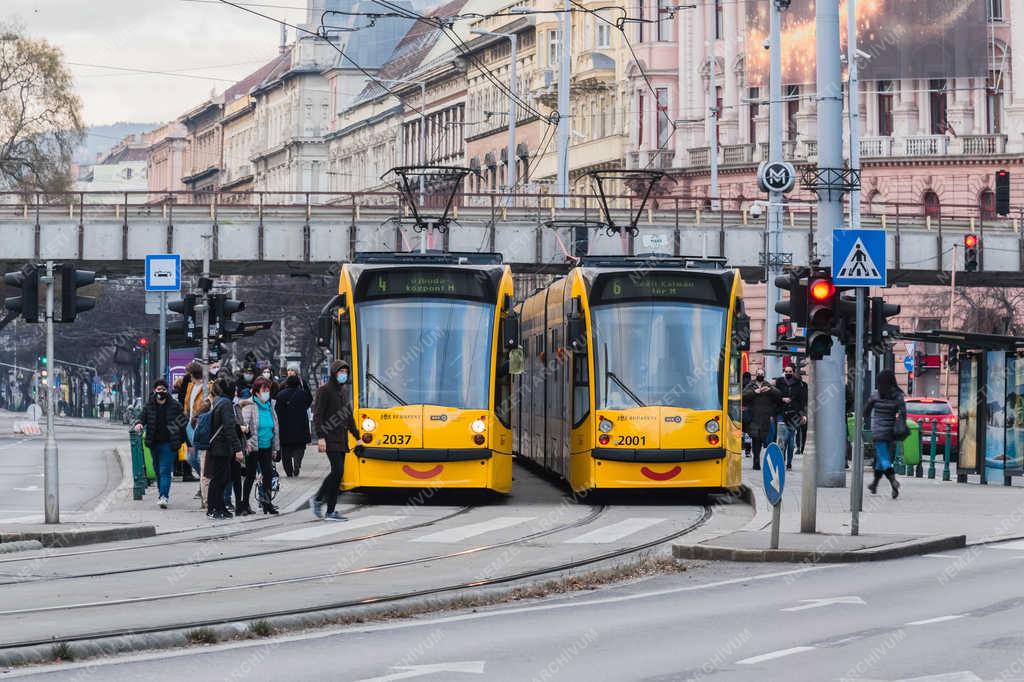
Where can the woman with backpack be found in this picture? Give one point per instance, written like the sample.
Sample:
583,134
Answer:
886,411
262,441
224,444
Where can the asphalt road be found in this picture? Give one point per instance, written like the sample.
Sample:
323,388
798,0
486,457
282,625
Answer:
951,618
89,469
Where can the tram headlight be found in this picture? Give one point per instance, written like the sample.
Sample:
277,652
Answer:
478,426
711,426
369,424
605,425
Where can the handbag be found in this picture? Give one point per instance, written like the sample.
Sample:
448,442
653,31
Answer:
900,430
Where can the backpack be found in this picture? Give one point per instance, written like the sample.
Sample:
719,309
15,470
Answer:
202,437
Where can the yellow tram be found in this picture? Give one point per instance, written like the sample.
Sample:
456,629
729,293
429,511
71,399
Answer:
425,335
633,371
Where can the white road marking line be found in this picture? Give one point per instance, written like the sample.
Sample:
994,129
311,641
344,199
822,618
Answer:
459,533
940,556
775,654
1013,546
317,530
929,621
615,531
806,604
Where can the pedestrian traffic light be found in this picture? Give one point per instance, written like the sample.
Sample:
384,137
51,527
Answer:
26,305
971,247
42,360
844,317
782,330
143,343
1002,192
881,330
71,280
795,308
821,294
221,309
187,308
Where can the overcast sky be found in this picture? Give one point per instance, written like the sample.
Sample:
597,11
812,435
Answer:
203,40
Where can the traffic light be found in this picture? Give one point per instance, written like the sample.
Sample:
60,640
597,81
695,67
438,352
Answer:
71,280
821,295
795,308
26,305
782,330
971,246
221,310
1002,192
41,360
187,308
143,343
881,330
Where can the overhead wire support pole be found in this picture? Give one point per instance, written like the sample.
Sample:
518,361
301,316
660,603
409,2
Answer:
712,106
51,464
513,171
563,109
853,92
775,199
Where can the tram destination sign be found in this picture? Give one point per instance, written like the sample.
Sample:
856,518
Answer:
425,282
656,285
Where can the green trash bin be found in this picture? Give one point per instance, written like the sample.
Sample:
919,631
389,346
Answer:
150,471
869,446
911,445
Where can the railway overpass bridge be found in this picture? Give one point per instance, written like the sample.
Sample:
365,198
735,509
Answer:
256,233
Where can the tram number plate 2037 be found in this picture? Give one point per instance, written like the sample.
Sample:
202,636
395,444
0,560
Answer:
396,439
632,440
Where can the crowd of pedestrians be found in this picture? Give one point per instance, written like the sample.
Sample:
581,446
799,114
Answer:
235,429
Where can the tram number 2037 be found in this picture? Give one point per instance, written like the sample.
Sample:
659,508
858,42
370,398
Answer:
396,439
632,440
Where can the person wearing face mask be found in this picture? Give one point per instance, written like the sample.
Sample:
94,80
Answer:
792,412
291,405
333,421
762,399
262,433
164,421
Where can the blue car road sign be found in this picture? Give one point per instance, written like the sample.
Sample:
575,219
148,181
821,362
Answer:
858,258
163,272
774,473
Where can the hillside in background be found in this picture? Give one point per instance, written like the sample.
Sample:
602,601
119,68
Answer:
101,138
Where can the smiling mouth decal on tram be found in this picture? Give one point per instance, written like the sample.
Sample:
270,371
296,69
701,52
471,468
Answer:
429,473
661,476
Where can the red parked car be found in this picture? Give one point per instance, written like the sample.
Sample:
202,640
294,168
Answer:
937,411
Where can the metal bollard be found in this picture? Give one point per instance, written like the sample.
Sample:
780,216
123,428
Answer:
139,482
931,462
945,456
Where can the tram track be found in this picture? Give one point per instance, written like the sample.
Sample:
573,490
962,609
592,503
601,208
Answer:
623,552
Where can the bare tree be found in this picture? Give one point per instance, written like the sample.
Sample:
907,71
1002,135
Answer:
40,115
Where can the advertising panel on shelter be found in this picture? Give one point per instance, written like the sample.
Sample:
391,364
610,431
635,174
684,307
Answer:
967,457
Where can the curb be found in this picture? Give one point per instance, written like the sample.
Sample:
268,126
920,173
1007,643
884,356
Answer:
74,538
893,551
173,638
19,546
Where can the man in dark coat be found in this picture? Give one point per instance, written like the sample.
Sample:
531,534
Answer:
333,420
762,401
792,411
164,421
292,404
224,443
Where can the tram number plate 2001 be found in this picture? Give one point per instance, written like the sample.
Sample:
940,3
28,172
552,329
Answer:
395,439
632,440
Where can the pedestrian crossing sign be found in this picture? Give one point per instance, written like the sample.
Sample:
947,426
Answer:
858,258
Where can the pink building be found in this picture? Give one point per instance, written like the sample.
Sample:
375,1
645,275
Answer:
166,157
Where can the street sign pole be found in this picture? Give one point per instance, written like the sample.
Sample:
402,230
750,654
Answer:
853,91
776,522
773,366
774,477
51,468
163,335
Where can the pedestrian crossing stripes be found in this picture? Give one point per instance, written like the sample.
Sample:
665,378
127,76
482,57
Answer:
459,533
318,530
615,531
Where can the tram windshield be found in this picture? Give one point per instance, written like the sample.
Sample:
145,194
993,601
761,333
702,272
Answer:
658,354
416,351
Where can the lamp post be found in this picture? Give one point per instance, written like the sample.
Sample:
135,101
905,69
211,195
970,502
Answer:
513,93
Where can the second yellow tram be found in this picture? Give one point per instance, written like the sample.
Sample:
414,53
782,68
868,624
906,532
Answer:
426,338
633,372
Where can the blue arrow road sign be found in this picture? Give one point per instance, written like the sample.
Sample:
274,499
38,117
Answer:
908,363
858,258
774,473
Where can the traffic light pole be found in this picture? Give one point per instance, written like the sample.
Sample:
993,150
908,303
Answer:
51,469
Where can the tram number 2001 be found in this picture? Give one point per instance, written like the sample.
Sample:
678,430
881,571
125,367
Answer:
396,439
632,440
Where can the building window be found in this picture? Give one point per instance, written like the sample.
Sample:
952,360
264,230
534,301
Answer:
931,204
754,105
995,10
885,99
987,204
994,102
937,98
554,47
604,34
664,20
718,114
719,20
792,109
664,122
642,20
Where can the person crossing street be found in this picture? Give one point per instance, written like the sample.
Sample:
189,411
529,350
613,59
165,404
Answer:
333,420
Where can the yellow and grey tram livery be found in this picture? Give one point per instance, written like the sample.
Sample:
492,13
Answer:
633,371
431,386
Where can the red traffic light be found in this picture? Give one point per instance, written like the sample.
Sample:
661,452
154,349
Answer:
782,330
821,290
970,240
143,342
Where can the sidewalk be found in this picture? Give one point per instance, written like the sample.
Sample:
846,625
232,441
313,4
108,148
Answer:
929,515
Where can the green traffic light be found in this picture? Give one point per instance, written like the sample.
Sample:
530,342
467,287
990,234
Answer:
42,359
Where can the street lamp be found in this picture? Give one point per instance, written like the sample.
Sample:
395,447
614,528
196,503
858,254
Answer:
513,169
